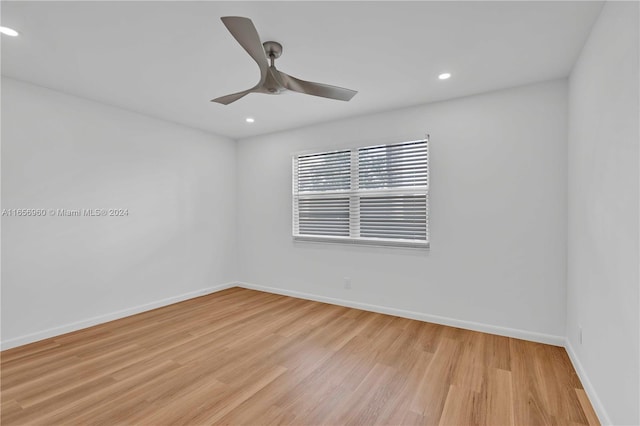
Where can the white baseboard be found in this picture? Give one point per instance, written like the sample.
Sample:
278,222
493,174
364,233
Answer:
469,325
588,387
78,325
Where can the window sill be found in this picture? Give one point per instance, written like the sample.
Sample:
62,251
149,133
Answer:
363,242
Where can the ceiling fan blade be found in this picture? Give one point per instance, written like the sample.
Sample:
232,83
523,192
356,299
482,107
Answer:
243,30
316,89
226,100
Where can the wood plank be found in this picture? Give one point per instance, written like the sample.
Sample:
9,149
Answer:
462,407
430,398
399,411
590,414
499,398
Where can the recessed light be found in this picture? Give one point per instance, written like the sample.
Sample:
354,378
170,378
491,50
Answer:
444,76
8,31
249,120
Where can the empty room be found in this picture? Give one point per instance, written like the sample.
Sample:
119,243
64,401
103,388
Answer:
320,213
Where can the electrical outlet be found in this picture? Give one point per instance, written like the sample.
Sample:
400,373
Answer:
347,283
580,334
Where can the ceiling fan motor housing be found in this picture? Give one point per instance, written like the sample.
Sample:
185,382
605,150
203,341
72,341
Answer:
272,84
273,49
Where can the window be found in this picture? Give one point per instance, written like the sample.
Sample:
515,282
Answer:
371,195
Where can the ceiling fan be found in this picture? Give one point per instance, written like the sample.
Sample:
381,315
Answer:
272,81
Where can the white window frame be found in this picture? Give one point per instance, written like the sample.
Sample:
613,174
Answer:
354,194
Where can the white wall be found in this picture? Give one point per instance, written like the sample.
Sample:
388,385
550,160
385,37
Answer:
498,213
60,151
603,216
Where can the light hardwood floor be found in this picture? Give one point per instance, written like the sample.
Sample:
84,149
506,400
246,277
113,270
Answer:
246,357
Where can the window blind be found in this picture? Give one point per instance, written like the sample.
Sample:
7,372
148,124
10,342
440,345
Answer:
371,195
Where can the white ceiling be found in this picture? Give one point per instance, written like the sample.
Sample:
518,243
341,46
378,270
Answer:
168,59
